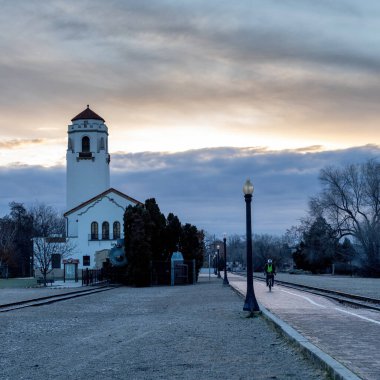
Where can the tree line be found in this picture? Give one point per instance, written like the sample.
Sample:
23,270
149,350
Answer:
343,222
341,231
31,237
342,228
264,246
151,237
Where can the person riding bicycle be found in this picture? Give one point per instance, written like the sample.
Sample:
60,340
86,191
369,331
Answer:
269,271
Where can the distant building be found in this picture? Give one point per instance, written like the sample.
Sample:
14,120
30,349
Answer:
94,216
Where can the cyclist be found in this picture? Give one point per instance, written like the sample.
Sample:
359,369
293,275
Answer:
269,271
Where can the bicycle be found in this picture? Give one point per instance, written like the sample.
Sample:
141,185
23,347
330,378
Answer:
270,281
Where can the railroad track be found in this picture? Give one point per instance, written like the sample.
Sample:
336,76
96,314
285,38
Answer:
346,298
53,298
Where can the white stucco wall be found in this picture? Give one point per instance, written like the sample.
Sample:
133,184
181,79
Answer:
86,177
109,208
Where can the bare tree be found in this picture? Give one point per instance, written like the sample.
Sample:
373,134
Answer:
270,247
350,201
47,221
49,240
45,248
295,234
236,249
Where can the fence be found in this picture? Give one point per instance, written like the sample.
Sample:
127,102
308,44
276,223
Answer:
92,276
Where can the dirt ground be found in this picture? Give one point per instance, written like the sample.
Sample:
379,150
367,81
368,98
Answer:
185,332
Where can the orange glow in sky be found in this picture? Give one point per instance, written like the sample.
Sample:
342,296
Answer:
171,77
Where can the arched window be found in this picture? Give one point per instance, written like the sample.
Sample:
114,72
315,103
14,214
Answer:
94,231
116,230
101,144
85,144
105,231
70,145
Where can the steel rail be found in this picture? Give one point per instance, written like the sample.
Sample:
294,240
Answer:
46,300
347,298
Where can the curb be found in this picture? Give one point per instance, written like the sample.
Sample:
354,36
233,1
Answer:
336,370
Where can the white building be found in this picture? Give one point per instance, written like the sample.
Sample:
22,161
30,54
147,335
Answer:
94,216
87,158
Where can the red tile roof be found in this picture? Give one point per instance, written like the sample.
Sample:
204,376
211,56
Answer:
88,114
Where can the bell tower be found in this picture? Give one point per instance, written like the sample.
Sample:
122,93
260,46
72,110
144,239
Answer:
87,158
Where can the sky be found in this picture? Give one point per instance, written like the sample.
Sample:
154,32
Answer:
197,95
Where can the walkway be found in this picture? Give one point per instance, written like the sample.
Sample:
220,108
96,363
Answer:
367,287
348,335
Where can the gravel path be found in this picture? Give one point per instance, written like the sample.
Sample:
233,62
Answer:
189,332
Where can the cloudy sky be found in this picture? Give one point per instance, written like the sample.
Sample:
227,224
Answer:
197,96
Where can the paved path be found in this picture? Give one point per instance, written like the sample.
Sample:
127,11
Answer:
367,287
185,332
349,335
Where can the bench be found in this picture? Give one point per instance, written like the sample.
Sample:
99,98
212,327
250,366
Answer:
40,281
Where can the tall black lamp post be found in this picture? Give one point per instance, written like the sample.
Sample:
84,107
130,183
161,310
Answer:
218,261
225,279
250,303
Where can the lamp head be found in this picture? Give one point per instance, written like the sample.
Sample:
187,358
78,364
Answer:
248,187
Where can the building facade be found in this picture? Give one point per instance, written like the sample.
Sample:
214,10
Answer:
87,158
95,212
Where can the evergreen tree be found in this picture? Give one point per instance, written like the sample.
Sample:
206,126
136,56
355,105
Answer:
137,232
192,245
156,230
299,257
22,246
319,247
173,232
150,237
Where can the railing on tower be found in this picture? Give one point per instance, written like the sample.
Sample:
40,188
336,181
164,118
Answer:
85,156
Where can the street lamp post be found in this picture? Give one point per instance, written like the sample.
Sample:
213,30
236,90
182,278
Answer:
31,266
225,279
218,261
250,303
209,265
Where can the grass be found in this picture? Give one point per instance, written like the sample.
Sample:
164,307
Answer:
17,283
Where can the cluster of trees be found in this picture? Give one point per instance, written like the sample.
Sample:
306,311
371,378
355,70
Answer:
320,249
343,226
264,246
151,237
271,247
341,231
23,228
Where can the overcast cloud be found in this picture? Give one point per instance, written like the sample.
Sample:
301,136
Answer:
202,187
184,87
285,73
